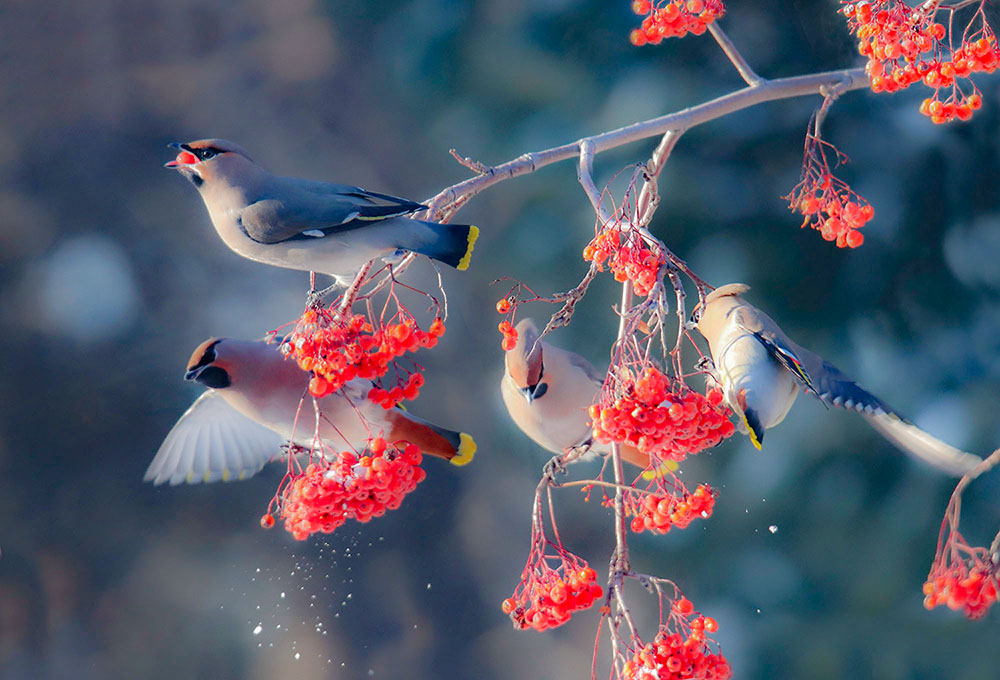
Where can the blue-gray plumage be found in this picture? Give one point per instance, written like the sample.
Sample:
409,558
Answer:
309,225
761,371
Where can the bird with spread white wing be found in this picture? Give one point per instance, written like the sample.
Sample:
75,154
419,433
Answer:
251,408
308,225
548,392
761,372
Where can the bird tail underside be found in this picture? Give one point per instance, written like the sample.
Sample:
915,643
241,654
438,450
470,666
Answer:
458,448
922,445
453,244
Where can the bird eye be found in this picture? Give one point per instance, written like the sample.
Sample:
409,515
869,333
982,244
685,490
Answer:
205,154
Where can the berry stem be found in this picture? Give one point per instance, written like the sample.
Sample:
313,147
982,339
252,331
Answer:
620,562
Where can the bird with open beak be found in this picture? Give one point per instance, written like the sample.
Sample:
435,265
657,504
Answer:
309,225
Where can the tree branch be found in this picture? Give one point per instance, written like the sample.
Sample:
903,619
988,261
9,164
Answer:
765,91
749,76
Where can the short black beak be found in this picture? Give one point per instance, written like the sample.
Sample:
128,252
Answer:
194,373
175,145
532,392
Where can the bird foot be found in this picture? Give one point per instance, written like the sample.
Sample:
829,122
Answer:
705,364
555,466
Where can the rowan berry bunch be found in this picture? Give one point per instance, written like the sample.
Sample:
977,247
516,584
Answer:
827,203
907,44
546,597
673,19
337,349
628,256
681,650
660,417
661,510
969,584
350,486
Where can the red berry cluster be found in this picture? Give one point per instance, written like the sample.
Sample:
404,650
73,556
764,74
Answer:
633,260
660,420
673,19
389,398
352,486
679,655
660,512
905,45
337,350
509,335
963,577
549,596
827,203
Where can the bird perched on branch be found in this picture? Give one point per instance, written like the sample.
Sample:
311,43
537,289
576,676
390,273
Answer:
548,391
254,404
313,226
761,372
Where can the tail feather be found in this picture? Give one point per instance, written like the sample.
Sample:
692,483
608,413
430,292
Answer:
916,442
453,244
456,447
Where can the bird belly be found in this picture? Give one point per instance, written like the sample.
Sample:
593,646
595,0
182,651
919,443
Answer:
767,388
340,254
345,422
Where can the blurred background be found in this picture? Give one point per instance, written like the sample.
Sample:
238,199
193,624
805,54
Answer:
111,274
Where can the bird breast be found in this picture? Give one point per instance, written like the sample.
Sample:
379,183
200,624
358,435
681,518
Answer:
550,423
744,365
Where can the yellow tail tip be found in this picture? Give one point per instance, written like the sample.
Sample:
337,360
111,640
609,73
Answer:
466,450
463,264
665,467
753,435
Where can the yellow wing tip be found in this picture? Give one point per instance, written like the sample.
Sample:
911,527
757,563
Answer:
466,450
661,471
463,264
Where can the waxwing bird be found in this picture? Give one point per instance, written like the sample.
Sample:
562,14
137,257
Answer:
313,226
548,391
761,372
252,407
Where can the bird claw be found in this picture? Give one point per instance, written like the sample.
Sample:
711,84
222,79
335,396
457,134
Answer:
705,364
555,466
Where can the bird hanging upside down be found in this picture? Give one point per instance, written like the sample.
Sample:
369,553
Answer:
761,371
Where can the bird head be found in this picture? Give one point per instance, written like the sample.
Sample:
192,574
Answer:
205,160
706,318
210,365
524,362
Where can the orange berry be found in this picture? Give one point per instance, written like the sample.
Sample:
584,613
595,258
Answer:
503,306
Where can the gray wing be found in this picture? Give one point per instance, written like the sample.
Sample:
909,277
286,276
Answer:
212,441
316,209
587,367
814,373
830,385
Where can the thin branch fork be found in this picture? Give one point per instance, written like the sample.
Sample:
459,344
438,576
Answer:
752,95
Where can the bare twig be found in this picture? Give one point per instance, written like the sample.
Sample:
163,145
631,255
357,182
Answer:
769,90
352,291
747,73
475,166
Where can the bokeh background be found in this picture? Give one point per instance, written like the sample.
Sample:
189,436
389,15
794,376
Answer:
111,274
